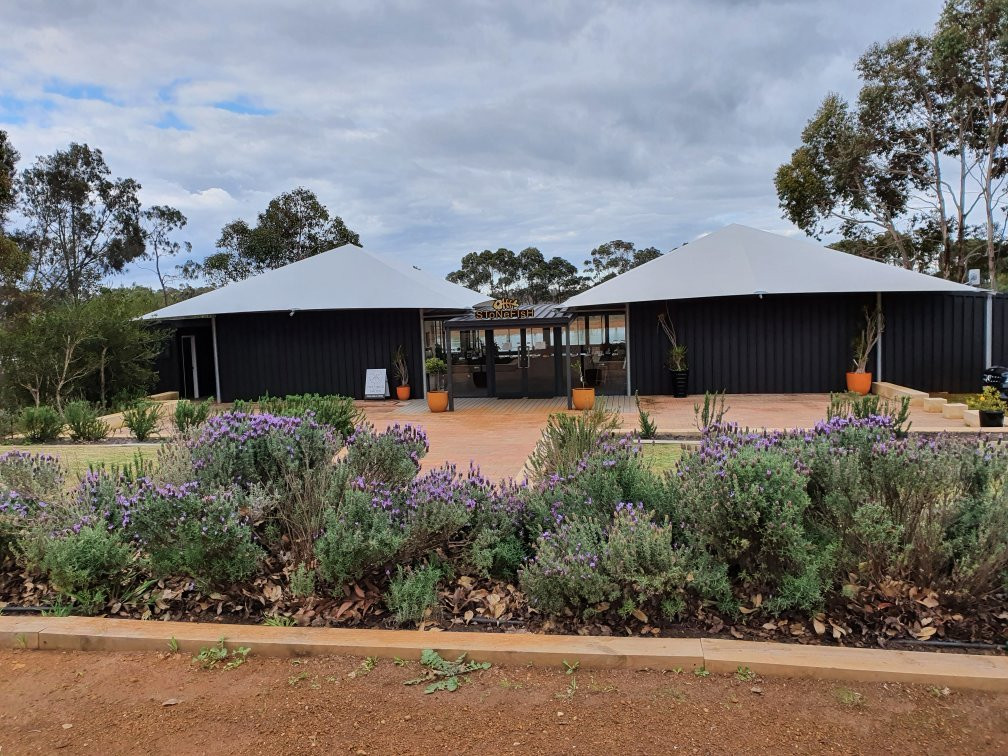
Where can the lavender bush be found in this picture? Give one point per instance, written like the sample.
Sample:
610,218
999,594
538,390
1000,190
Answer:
184,531
390,458
238,448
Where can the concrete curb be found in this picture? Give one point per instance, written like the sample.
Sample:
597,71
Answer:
778,659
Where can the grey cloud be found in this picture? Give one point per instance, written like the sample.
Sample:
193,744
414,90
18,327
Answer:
437,128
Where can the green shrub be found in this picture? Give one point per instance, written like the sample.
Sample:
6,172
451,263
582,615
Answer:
567,439
84,423
358,538
236,447
36,476
412,592
186,532
41,424
302,581
628,558
8,423
190,415
648,427
390,458
142,418
862,407
337,412
88,563
745,506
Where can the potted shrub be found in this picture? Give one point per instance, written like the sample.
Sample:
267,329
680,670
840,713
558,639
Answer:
676,360
583,397
679,367
991,406
400,368
859,380
437,395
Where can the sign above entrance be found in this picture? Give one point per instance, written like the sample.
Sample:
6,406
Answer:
505,309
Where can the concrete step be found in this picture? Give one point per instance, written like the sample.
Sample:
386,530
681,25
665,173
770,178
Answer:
972,418
934,404
954,411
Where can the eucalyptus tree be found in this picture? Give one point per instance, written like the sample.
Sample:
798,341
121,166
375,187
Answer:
294,226
81,224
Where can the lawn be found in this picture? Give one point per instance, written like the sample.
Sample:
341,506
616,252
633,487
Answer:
78,458
663,457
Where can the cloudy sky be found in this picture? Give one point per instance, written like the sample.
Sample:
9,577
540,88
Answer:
437,128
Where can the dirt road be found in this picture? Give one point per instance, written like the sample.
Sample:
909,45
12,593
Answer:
74,702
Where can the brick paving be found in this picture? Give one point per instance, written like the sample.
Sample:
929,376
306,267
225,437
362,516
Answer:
500,439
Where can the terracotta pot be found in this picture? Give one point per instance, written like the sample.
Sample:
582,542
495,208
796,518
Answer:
402,393
859,383
584,398
437,401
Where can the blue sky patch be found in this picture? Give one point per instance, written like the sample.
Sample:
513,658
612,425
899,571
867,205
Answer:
242,106
171,121
77,90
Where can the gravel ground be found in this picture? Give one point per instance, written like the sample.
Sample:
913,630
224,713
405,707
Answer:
110,703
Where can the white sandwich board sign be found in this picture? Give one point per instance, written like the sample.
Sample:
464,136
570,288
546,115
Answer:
376,384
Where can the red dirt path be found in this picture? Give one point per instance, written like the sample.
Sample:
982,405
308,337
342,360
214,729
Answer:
114,703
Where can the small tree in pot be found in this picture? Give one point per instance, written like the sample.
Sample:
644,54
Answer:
400,368
437,395
859,380
582,398
676,358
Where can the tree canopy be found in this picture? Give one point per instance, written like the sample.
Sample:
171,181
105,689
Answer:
914,171
81,223
615,257
294,226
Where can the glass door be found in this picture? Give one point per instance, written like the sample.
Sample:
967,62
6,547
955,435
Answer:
509,362
524,362
540,362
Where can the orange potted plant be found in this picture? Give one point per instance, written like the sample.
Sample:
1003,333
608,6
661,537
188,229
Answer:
400,367
859,380
437,398
584,397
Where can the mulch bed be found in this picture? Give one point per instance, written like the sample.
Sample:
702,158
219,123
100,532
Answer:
892,614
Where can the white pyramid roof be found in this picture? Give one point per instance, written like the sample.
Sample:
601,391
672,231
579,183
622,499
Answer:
344,278
738,261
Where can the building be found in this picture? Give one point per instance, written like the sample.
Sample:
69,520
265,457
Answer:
758,312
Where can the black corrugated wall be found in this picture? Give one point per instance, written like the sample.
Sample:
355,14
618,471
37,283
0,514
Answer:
326,352
780,343
934,342
802,343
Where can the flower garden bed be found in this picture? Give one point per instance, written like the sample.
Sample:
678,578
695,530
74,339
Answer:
845,533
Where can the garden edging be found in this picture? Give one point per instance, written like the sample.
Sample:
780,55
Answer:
716,655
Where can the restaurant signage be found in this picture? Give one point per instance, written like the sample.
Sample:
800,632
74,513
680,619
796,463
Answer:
505,309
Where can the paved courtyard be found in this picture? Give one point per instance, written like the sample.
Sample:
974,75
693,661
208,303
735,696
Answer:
500,433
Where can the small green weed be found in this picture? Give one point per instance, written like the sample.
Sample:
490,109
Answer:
21,640
58,609
399,662
173,645
279,621
365,667
443,674
849,697
701,672
295,679
210,656
744,674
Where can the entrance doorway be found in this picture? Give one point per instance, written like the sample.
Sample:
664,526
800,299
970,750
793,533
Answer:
190,371
525,362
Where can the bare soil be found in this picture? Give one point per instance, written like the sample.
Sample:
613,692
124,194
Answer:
77,702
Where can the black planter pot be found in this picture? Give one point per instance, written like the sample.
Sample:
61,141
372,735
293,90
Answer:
991,418
679,380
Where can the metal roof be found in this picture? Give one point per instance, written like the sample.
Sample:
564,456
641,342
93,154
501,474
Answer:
738,260
542,315
344,278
